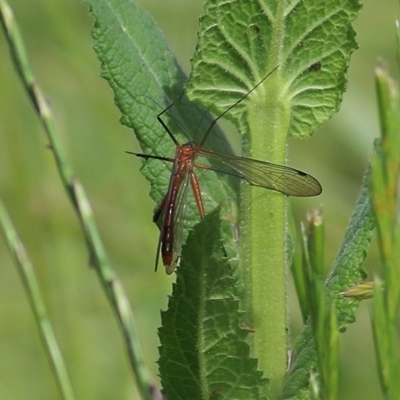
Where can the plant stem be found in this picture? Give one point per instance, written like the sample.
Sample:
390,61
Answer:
34,294
269,122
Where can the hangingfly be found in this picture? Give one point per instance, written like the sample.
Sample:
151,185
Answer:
169,215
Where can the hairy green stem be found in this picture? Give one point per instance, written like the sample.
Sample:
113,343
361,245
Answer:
265,240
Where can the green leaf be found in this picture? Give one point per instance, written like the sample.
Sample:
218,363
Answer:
204,353
146,78
346,271
240,42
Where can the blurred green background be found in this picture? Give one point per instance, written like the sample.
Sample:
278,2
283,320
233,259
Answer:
57,36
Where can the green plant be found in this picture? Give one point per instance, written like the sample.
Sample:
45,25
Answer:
384,188
217,339
239,44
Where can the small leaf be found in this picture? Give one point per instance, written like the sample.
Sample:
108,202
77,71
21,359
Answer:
240,42
203,350
360,291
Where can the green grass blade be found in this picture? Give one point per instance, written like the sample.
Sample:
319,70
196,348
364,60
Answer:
25,73
384,190
204,352
382,337
114,291
329,356
322,316
298,270
75,191
32,289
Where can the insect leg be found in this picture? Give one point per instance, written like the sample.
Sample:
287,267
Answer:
194,182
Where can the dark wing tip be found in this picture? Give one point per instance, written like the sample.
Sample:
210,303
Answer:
310,186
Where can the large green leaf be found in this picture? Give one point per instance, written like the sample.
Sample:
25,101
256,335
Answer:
240,42
146,78
204,353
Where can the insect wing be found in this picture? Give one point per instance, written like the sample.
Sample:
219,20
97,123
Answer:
158,220
177,223
289,181
179,219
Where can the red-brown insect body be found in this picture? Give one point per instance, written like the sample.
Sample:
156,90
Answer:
182,169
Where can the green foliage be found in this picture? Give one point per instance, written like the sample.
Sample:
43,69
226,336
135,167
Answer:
249,41
384,188
240,42
322,312
205,350
204,353
346,270
138,64
146,78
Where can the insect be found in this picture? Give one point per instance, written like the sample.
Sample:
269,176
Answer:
169,214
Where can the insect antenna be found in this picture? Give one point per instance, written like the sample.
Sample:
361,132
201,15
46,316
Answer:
164,125
161,121
147,156
183,130
213,123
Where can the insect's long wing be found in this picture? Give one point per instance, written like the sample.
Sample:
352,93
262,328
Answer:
289,181
177,223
